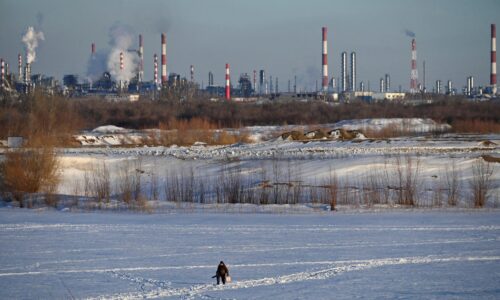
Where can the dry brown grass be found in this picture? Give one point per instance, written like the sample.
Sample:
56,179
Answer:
29,171
476,126
187,132
491,159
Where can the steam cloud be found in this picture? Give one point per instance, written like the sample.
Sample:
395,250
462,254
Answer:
410,33
30,40
121,40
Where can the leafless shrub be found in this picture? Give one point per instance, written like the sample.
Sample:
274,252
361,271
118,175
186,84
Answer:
28,171
379,194
125,183
100,184
264,185
481,182
154,191
333,189
408,179
437,195
277,189
452,183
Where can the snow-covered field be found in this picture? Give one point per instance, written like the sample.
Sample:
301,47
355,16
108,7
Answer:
371,247
356,164
419,255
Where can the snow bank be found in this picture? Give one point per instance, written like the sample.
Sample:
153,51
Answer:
407,124
110,129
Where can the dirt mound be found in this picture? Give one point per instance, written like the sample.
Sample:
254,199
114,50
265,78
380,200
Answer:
487,143
293,136
320,134
491,159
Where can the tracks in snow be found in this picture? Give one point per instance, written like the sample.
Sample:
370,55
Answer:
164,289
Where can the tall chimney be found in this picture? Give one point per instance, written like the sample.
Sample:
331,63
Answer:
191,70
163,59
27,72
382,85
343,69
255,81
438,86
493,76
228,86
155,75
468,89
414,72
141,59
20,67
121,69
121,61
2,78
325,60
210,78
262,79
387,83
92,49
353,72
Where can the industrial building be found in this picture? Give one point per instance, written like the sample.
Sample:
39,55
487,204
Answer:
109,83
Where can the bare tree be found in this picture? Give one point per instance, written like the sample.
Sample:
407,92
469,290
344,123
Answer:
481,182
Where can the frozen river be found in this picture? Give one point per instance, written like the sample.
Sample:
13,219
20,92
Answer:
438,254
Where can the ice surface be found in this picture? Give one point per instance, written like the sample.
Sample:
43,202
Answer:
60,255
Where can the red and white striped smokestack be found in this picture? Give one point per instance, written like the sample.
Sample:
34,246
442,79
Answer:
228,84
2,79
27,71
414,73
493,76
20,67
141,59
121,61
191,70
163,58
325,60
155,69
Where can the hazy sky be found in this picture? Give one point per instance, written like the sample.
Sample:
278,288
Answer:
281,36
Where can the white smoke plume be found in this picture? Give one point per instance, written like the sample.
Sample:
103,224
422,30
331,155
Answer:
30,40
121,40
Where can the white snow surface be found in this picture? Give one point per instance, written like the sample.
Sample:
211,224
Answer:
311,162
420,255
110,129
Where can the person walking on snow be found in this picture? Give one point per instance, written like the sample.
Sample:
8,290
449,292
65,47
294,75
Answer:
222,273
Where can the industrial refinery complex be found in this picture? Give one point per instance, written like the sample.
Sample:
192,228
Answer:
122,78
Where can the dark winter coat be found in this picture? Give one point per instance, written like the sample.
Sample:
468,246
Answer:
222,270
